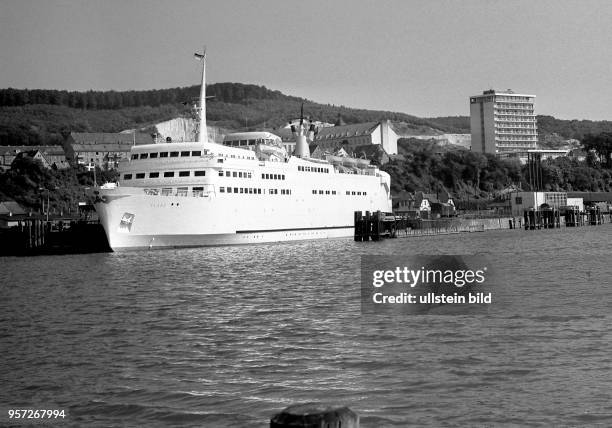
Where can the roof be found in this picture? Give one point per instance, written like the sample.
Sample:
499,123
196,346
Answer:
111,138
101,147
345,131
11,207
13,150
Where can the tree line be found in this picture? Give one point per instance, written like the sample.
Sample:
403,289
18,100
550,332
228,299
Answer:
113,100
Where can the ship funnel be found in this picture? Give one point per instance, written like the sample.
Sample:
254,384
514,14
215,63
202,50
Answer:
300,133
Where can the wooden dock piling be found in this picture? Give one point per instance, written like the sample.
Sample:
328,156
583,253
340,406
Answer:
315,415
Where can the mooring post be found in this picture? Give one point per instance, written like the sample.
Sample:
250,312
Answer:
315,415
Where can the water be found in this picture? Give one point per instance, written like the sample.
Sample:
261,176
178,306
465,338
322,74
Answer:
229,336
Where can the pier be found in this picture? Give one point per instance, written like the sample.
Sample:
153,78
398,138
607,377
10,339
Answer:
35,236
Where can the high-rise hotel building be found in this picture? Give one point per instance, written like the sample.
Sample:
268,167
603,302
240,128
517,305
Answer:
502,122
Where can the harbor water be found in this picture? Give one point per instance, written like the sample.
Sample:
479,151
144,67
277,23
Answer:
228,336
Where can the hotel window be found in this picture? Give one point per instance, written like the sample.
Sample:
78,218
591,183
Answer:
199,173
248,175
184,173
174,154
153,155
144,155
228,174
240,174
163,155
140,175
169,174
127,176
320,192
153,174
187,153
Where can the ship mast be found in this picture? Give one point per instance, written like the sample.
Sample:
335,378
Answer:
203,131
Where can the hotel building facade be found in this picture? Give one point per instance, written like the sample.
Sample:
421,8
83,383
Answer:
503,122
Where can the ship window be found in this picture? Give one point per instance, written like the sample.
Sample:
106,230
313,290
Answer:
333,192
250,190
199,173
314,192
229,190
221,189
184,173
235,190
242,190
263,176
320,192
251,142
228,174
364,193
153,174
283,177
240,174
144,155
182,191
166,191
153,155
249,175
234,174
134,156
259,191
187,153
199,191
353,193
220,173
299,168
140,175
174,154
196,153
169,174
327,192
163,155
127,176
348,193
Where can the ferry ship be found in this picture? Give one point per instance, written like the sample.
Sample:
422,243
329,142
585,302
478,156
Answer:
247,190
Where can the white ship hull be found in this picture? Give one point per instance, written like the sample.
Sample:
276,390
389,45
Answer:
134,219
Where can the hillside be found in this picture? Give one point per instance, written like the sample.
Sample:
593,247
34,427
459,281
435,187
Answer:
31,117
38,116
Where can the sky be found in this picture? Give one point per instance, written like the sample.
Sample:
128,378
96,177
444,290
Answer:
423,58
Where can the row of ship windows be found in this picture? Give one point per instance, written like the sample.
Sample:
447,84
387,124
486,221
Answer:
253,191
238,174
333,192
313,169
167,154
167,174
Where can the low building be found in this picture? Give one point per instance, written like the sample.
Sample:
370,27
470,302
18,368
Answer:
104,150
523,155
424,205
521,201
50,156
360,134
